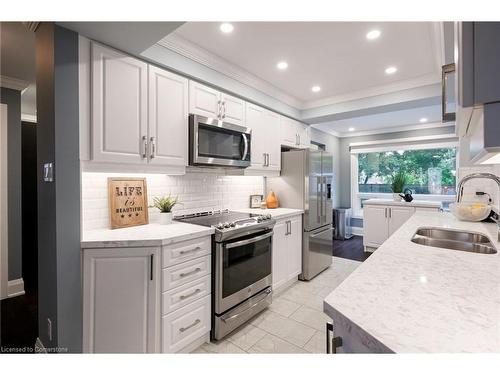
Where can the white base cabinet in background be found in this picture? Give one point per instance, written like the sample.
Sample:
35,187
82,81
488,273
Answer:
287,251
147,300
381,221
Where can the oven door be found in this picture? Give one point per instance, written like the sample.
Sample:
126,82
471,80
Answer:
242,269
214,142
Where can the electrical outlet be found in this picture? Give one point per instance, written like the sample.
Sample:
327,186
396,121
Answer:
49,329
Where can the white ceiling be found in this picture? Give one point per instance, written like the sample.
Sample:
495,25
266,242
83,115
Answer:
383,122
334,55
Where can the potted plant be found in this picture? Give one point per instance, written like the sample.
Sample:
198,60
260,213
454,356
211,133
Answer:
165,205
398,182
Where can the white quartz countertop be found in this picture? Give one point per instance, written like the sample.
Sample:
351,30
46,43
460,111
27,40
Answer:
415,298
413,203
143,235
276,213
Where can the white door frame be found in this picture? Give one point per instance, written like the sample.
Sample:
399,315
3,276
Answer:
4,244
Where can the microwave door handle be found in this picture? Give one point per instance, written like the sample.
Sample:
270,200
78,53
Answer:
245,150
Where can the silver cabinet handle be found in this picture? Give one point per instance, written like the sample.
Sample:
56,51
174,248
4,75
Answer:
198,269
224,108
219,110
145,147
183,297
153,148
332,343
182,252
265,159
197,321
390,212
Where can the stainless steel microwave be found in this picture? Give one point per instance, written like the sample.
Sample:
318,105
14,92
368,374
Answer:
213,142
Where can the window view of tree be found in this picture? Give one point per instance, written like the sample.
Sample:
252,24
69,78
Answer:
429,171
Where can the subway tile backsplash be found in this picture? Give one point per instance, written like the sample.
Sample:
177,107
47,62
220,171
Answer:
197,191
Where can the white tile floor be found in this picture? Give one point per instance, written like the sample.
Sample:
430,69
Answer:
294,323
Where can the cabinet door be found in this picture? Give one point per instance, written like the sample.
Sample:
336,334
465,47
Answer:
233,109
255,121
375,225
289,136
398,216
168,118
272,137
203,100
121,300
119,106
304,136
279,266
294,248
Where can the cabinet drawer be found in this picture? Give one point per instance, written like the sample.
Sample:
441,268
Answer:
185,294
185,272
185,325
186,250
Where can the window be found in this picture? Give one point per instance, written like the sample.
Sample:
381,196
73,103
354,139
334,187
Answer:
431,174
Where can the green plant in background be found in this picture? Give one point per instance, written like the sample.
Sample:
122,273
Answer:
165,204
398,182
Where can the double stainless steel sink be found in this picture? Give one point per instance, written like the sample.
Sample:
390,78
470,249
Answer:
454,240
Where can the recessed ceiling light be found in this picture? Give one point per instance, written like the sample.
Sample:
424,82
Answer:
351,129
423,119
282,65
226,27
374,34
391,70
316,88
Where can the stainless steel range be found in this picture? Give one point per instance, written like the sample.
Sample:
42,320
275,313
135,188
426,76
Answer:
241,266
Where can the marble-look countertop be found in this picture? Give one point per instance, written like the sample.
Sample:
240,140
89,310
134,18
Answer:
392,202
143,235
276,213
412,298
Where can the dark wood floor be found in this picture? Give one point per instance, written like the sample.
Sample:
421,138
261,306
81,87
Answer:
19,326
350,249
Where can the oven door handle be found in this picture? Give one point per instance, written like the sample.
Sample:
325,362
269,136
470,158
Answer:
249,241
245,150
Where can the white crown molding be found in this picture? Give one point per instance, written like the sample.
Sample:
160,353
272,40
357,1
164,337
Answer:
192,51
393,129
13,83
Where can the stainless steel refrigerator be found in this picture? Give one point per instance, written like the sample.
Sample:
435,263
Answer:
305,183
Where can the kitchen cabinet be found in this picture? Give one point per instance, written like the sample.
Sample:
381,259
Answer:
168,118
294,133
121,300
287,251
266,149
380,221
119,107
209,102
139,112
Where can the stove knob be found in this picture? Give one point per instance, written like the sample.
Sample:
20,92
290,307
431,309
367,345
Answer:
268,216
226,225
232,225
259,219
220,226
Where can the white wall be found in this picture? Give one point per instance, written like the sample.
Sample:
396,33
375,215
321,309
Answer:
197,191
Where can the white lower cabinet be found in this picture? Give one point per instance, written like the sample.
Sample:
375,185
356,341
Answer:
287,251
121,300
381,221
147,300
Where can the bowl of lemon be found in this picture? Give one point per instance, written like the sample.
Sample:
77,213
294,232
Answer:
470,211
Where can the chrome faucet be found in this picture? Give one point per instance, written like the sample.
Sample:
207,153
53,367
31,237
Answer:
472,176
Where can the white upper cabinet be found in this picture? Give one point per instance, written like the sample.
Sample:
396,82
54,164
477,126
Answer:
209,102
294,133
233,109
119,106
265,149
168,118
204,100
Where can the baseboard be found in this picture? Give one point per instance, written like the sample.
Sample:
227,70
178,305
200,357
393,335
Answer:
15,288
357,231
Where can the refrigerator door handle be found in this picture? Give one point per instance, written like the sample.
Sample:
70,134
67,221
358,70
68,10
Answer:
318,199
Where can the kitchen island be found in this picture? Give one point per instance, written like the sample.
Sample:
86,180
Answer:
410,298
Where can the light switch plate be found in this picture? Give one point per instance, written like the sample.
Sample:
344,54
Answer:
48,172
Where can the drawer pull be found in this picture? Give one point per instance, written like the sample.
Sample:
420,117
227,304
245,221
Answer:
197,321
182,252
198,269
190,294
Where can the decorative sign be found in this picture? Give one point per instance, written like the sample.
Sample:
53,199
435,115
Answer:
255,200
128,202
